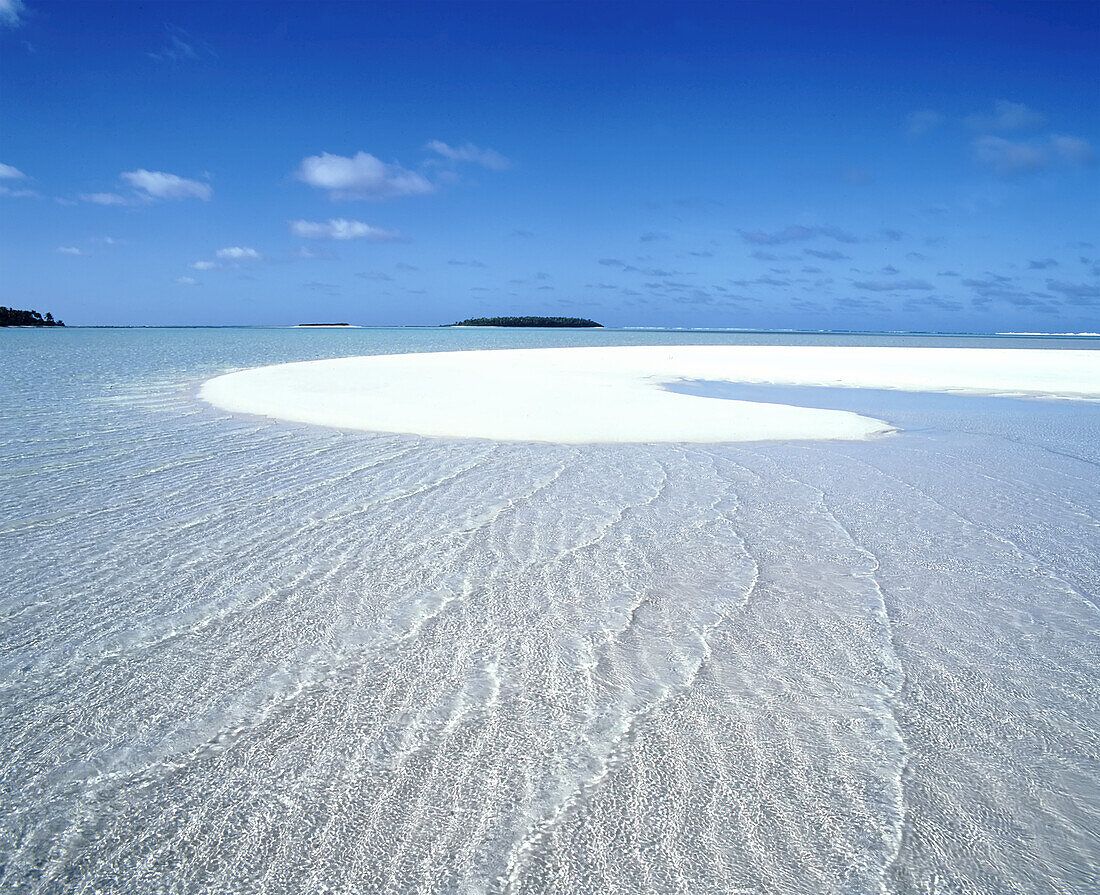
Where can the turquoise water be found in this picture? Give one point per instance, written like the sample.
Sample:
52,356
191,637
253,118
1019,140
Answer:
249,656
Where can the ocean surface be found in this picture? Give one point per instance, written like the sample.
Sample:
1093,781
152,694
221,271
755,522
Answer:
245,656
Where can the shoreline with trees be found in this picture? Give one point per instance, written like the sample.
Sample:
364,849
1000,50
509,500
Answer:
17,317
573,322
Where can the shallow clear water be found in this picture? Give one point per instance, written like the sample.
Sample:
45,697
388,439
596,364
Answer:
246,656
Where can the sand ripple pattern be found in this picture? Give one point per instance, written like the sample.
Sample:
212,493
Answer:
253,657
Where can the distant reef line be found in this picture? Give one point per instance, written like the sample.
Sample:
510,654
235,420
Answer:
527,321
17,317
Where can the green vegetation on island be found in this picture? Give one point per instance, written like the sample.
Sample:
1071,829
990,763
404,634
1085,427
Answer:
526,321
15,317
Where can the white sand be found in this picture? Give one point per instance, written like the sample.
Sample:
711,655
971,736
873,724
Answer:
583,395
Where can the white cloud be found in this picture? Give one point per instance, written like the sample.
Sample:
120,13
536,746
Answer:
1072,150
185,281
11,12
892,285
468,152
340,228
160,185
237,253
918,124
7,172
1076,293
361,176
309,254
176,50
1007,158
70,250
18,194
204,265
796,233
181,46
1007,116
105,199
1011,158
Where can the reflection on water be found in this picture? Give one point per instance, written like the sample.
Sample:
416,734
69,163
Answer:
251,656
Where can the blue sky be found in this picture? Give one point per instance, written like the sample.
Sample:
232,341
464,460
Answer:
775,165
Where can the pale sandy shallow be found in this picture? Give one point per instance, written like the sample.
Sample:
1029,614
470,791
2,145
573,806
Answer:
616,394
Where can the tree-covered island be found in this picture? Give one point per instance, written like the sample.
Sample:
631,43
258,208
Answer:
527,321
16,317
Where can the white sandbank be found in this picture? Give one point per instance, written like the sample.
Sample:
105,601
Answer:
591,395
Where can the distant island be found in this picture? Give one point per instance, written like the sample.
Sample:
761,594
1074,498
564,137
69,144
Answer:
526,321
322,324
15,317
